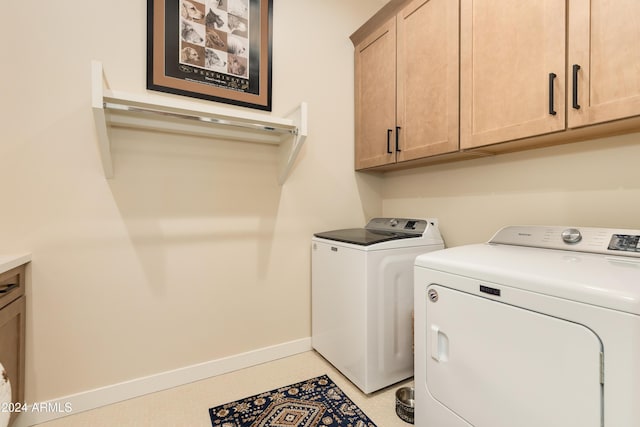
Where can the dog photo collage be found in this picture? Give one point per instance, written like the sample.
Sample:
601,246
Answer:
214,35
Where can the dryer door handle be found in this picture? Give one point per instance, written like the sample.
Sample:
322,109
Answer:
439,345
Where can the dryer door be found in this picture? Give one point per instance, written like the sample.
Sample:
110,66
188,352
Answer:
497,365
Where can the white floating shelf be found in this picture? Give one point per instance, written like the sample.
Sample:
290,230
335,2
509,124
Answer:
158,113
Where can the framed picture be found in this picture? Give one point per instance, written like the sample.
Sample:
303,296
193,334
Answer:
218,50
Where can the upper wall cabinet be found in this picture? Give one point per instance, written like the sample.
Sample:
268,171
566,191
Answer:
531,74
603,61
375,97
406,83
512,70
516,84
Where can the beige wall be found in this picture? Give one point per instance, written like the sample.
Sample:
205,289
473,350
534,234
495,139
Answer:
192,252
591,183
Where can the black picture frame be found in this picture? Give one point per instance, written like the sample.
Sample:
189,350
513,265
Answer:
218,50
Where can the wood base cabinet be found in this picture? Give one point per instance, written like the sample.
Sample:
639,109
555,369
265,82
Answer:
12,332
406,83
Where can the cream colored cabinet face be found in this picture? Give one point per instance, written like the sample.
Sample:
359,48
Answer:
512,59
407,79
603,61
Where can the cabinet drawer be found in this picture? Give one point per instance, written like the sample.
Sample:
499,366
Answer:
11,285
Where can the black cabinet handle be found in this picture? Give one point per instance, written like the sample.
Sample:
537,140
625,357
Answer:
397,138
552,77
576,68
389,141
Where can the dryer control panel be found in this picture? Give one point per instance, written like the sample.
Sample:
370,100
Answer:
625,242
619,242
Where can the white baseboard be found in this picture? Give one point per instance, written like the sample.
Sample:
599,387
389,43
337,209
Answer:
108,395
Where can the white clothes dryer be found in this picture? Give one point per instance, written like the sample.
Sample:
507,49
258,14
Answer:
539,327
362,297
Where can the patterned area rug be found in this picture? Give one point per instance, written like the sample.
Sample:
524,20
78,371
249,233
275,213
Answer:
316,402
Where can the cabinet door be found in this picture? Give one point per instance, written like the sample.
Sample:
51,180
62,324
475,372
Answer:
428,78
12,346
375,98
508,52
604,42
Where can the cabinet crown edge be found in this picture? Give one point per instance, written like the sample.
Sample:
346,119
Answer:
385,13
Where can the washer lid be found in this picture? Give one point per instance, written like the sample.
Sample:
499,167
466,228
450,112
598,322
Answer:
362,236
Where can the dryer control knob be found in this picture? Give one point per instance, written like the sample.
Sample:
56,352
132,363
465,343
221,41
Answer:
571,235
393,222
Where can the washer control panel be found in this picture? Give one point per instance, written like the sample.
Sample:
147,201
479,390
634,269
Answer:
620,242
400,225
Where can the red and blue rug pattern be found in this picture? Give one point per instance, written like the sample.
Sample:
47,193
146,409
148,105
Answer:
316,402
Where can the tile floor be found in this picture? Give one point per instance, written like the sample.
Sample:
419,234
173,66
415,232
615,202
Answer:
188,405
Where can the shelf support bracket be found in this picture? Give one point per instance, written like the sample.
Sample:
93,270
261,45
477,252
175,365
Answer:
97,105
290,148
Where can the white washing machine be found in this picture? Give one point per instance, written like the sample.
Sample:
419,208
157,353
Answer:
362,297
540,327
